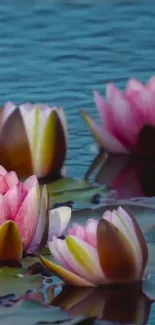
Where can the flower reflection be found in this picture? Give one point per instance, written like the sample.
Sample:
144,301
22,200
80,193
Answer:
130,177
120,304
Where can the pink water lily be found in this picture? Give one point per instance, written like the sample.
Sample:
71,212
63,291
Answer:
110,251
25,221
124,116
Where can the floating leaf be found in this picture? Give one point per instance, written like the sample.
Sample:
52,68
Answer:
29,260
75,190
68,184
13,281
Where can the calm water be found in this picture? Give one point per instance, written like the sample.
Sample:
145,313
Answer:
60,51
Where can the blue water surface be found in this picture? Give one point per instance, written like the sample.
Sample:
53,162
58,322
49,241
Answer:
58,52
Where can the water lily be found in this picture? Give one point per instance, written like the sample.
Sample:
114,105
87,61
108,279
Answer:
126,116
25,221
122,305
33,139
110,251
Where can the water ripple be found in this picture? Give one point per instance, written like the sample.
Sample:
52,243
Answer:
59,51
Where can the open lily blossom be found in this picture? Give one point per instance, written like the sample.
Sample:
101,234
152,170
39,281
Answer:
124,115
110,251
33,139
25,221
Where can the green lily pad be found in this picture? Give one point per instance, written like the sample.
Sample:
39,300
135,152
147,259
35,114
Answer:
13,281
74,190
29,260
68,184
30,312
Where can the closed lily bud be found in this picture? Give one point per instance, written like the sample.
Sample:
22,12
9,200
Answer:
33,139
110,251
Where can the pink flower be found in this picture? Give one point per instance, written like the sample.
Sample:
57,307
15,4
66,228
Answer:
110,251
25,221
124,116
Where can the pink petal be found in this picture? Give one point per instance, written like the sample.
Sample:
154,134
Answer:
3,171
4,210
134,85
11,179
14,199
90,232
151,84
105,111
124,111
3,185
30,182
106,140
27,216
143,102
43,223
77,230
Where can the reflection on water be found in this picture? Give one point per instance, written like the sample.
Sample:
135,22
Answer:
126,305
130,177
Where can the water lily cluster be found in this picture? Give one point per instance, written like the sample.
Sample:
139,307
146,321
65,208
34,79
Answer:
33,145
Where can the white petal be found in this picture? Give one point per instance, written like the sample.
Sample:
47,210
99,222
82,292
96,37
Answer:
3,171
63,120
53,249
35,119
58,221
8,110
30,182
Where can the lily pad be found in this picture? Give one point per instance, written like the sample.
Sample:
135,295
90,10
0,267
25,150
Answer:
75,191
12,281
29,260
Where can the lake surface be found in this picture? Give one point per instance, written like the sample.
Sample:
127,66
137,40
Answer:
58,52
